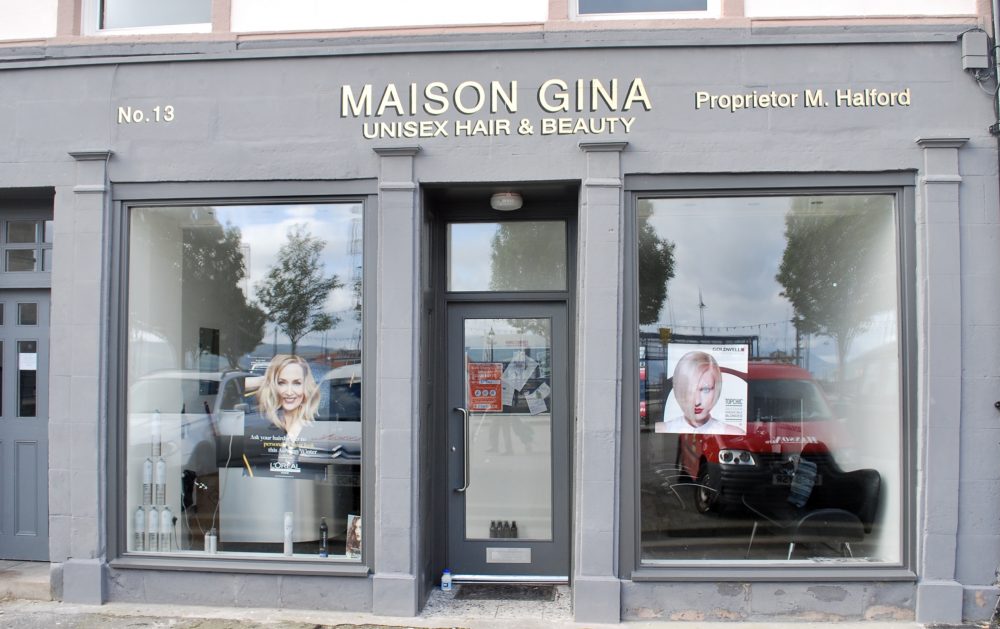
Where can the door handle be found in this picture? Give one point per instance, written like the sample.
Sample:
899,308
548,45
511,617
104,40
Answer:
465,450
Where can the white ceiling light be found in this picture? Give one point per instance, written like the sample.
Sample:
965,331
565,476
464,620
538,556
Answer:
506,201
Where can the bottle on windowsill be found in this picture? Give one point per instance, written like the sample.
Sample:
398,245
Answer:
324,536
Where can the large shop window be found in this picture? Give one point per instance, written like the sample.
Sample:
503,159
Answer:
244,380
769,379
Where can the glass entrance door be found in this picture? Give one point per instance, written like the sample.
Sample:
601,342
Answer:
508,441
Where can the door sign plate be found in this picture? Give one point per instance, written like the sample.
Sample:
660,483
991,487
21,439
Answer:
508,555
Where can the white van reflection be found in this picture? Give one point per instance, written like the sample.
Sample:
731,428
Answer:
184,408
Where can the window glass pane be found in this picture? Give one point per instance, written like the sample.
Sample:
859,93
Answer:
27,314
20,260
22,231
640,6
1,314
244,394
769,381
509,369
27,368
47,231
511,256
136,13
46,259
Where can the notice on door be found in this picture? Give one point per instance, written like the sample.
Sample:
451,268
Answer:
27,361
485,387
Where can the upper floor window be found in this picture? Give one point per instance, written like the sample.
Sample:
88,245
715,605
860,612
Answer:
143,16
249,16
647,8
28,20
857,8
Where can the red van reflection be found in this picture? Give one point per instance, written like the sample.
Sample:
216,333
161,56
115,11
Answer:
788,415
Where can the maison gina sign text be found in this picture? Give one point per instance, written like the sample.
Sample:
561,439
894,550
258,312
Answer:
553,107
497,108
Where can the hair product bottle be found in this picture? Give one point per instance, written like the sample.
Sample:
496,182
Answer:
166,529
324,536
153,529
147,481
288,533
160,481
155,432
140,529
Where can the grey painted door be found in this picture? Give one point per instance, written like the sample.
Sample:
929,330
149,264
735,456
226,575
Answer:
508,441
24,351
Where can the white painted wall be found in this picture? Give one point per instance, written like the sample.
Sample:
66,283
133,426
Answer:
846,8
27,20
311,15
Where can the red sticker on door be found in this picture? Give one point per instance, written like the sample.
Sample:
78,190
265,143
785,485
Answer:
485,387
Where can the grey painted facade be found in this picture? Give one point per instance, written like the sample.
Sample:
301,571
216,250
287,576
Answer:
265,120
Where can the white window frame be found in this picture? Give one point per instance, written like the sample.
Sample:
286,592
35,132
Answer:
713,11
92,24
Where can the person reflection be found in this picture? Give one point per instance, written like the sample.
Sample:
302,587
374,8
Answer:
503,425
697,386
499,427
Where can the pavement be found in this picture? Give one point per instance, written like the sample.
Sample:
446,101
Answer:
22,614
26,602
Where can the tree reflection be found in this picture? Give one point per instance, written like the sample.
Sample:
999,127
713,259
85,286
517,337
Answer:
214,267
295,290
656,266
838,266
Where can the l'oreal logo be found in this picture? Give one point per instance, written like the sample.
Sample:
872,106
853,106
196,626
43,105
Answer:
470,97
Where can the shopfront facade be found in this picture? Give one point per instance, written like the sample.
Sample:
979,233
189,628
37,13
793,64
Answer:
330,317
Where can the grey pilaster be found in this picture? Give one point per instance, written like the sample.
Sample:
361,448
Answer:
596,587
396,530
939,595
77,534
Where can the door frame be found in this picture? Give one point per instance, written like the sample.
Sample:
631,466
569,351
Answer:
443,204
33,204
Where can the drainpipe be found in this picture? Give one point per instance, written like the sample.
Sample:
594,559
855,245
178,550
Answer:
995,16
995,130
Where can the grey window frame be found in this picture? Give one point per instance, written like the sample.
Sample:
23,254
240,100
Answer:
124,197
33,205
900,184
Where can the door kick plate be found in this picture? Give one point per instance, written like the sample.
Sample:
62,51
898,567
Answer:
508,555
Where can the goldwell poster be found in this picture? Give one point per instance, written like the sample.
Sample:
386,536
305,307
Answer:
708,389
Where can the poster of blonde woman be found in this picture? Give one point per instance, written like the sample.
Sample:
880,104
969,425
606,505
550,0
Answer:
708,392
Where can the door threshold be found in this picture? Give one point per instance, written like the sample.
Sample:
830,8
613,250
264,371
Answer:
510,579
